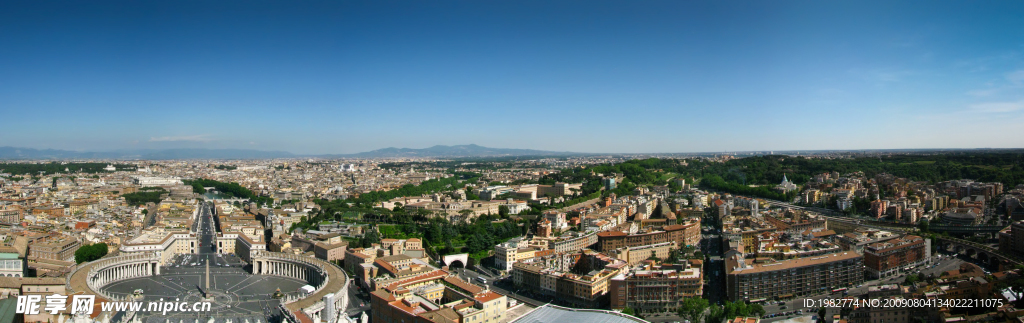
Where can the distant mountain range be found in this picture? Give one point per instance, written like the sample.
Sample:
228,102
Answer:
198,153
455,151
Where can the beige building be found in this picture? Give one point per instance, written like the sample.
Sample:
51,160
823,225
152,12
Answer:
330,252
635,255
657,288
56,247
580,278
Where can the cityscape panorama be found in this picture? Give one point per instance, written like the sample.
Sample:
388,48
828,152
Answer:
445,161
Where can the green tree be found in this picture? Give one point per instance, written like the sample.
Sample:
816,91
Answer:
716,313
369,238
734,309
693,309
90,252
674,186
923,225
911,279
757,310
628,311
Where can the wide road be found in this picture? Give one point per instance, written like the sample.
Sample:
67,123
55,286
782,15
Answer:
207,232
714,268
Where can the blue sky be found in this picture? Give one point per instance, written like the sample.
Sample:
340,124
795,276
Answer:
588,76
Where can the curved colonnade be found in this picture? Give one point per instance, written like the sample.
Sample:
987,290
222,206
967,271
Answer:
330,297
330,281
106,271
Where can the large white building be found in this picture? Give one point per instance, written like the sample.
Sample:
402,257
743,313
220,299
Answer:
506,254
155,181
786,185
11,265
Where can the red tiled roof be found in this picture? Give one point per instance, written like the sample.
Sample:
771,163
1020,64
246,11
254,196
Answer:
487,296
302,317
383,264
435,274
472,289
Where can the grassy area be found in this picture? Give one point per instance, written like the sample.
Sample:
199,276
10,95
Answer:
919,162
389,231
989,167
351,215
667,176
480,255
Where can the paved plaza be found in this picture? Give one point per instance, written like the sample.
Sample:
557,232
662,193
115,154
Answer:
236,295
235,292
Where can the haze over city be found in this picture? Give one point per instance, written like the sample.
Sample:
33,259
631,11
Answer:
594,76
659,161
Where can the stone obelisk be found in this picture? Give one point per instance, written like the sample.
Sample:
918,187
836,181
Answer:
207,290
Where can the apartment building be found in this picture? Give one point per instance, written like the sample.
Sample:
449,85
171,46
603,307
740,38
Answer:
56,247
895,256
330,252
570,241
580,278
684,234
796,223
635,255
657,288
438,300
10,215
753,282
1011,239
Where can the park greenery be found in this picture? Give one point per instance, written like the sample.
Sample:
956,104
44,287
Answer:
730,310
476,237
228,189
225,167
145,195
757,176
55,168
90,252
1005,167
439,236
431,186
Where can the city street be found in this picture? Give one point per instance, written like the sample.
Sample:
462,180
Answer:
714,267
503,285
358,300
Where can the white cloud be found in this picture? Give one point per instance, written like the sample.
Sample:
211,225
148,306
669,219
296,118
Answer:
998,107
196,138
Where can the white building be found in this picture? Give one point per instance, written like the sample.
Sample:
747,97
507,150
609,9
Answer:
786,185
514,206
557,219
155,181
11,265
